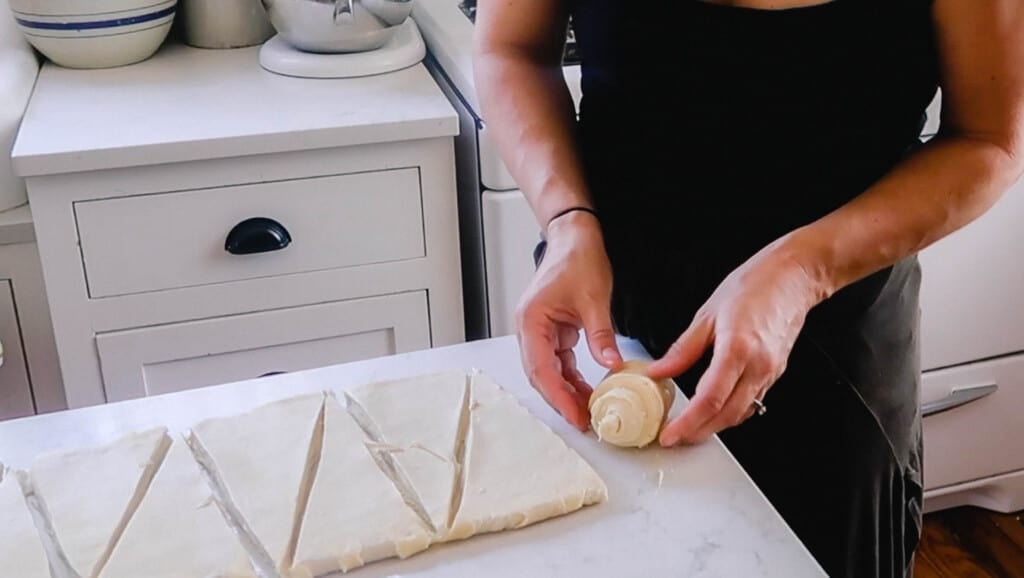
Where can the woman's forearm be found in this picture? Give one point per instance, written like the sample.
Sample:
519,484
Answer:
950,182
530,115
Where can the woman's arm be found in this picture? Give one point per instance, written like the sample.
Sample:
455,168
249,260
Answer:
530,114
956,176
754,317
526,103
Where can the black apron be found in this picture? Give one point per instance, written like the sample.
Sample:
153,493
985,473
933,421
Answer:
707,132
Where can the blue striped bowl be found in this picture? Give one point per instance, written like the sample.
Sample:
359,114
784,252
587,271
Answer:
96,34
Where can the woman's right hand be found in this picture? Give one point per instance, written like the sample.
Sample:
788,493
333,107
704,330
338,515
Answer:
571,290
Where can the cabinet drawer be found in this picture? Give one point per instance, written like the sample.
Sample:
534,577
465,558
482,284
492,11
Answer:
980,435
15,390
173,240
156,360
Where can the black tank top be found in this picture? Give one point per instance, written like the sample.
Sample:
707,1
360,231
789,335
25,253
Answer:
720,128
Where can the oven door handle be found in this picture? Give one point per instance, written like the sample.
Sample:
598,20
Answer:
958,397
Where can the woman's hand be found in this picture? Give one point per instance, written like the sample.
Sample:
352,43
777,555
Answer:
571,290
752,320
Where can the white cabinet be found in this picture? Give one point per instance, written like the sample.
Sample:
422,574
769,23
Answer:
248,223
240,347
30,380
15,389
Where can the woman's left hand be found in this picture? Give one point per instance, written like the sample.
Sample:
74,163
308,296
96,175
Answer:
752,320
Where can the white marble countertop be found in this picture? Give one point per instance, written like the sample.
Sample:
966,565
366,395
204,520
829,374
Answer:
683,512
187,104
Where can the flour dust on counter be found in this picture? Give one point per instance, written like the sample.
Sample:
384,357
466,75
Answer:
21,548
89,495
262,462
178,530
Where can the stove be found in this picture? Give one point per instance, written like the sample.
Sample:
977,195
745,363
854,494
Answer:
570,56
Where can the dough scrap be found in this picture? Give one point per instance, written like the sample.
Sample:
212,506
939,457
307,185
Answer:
21,549
355,515
518,471
91,494
178,530
265,459
417,423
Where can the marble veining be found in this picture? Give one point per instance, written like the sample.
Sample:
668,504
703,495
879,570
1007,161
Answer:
688,512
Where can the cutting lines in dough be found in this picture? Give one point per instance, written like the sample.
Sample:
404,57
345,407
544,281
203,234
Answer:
263,563
461,445
381,452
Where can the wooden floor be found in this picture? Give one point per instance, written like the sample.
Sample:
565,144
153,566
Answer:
971,543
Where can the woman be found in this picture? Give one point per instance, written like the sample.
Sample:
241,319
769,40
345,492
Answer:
747,176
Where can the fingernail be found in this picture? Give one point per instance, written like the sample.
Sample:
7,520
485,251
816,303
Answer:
610,355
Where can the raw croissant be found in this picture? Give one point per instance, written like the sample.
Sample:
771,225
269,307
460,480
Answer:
628,408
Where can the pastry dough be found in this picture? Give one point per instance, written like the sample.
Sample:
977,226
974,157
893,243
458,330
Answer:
417,422
178,530
90,494
264,460
355,515
517,470
628,408
21,550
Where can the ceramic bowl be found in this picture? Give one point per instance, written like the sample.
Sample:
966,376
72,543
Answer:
96,34
338,26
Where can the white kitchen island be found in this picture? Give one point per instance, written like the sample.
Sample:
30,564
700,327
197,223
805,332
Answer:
686,512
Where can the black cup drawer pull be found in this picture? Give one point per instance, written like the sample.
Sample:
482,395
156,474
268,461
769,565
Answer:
257,235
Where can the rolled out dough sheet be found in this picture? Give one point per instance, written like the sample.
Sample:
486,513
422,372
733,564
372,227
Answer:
518,471
420,418
21,549
263,458
178,530
90,494
355,514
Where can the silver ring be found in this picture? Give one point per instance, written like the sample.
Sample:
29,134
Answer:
761,409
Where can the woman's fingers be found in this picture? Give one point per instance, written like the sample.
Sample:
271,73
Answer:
685,351
712,395
573,376
539,350
738,408
597,324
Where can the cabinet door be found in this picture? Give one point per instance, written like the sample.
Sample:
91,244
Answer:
156,360
15,391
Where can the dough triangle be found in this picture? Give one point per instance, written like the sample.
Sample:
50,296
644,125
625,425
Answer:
517,470
355,515
21,550
91,494
264,460
178,530
417,423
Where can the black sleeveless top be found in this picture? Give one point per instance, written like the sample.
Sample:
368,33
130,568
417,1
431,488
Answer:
721,128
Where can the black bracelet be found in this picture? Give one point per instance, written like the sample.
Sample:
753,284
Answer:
564,212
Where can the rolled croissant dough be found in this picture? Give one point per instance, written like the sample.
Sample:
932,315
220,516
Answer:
21,550
178,530
90,494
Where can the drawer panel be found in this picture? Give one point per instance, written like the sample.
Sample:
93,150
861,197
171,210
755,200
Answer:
980,435
15,389
173,240
156,360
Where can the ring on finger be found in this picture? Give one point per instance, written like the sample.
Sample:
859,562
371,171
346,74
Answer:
759,407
